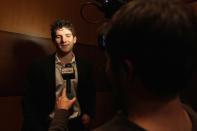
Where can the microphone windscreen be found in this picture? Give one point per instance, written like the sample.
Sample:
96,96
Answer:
68,72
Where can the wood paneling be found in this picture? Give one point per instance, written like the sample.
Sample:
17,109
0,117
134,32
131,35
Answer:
33,17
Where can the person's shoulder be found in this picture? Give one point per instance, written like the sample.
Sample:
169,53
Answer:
119,123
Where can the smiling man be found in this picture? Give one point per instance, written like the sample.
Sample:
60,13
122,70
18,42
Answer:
45,83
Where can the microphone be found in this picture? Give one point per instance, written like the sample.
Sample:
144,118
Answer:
68,73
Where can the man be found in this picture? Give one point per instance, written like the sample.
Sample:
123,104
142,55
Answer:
150,46
45,83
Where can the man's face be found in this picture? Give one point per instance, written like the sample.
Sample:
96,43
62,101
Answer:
64,40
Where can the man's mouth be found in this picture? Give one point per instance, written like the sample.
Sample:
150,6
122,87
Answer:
64,45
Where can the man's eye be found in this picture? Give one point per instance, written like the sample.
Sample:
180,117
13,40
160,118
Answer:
58,37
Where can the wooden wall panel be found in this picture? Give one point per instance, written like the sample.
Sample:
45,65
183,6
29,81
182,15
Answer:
33,17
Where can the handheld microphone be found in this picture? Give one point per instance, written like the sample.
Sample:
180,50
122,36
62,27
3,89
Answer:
68,73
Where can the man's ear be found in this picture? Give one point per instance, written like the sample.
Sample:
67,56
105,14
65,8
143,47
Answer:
75,39
128,67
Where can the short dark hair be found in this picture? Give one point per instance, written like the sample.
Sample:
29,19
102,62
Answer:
158,37
58,24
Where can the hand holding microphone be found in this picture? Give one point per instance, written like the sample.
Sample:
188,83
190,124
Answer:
63,101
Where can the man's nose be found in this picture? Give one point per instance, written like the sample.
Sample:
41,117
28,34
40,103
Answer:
64,39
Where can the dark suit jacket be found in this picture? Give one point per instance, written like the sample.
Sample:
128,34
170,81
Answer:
39,93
